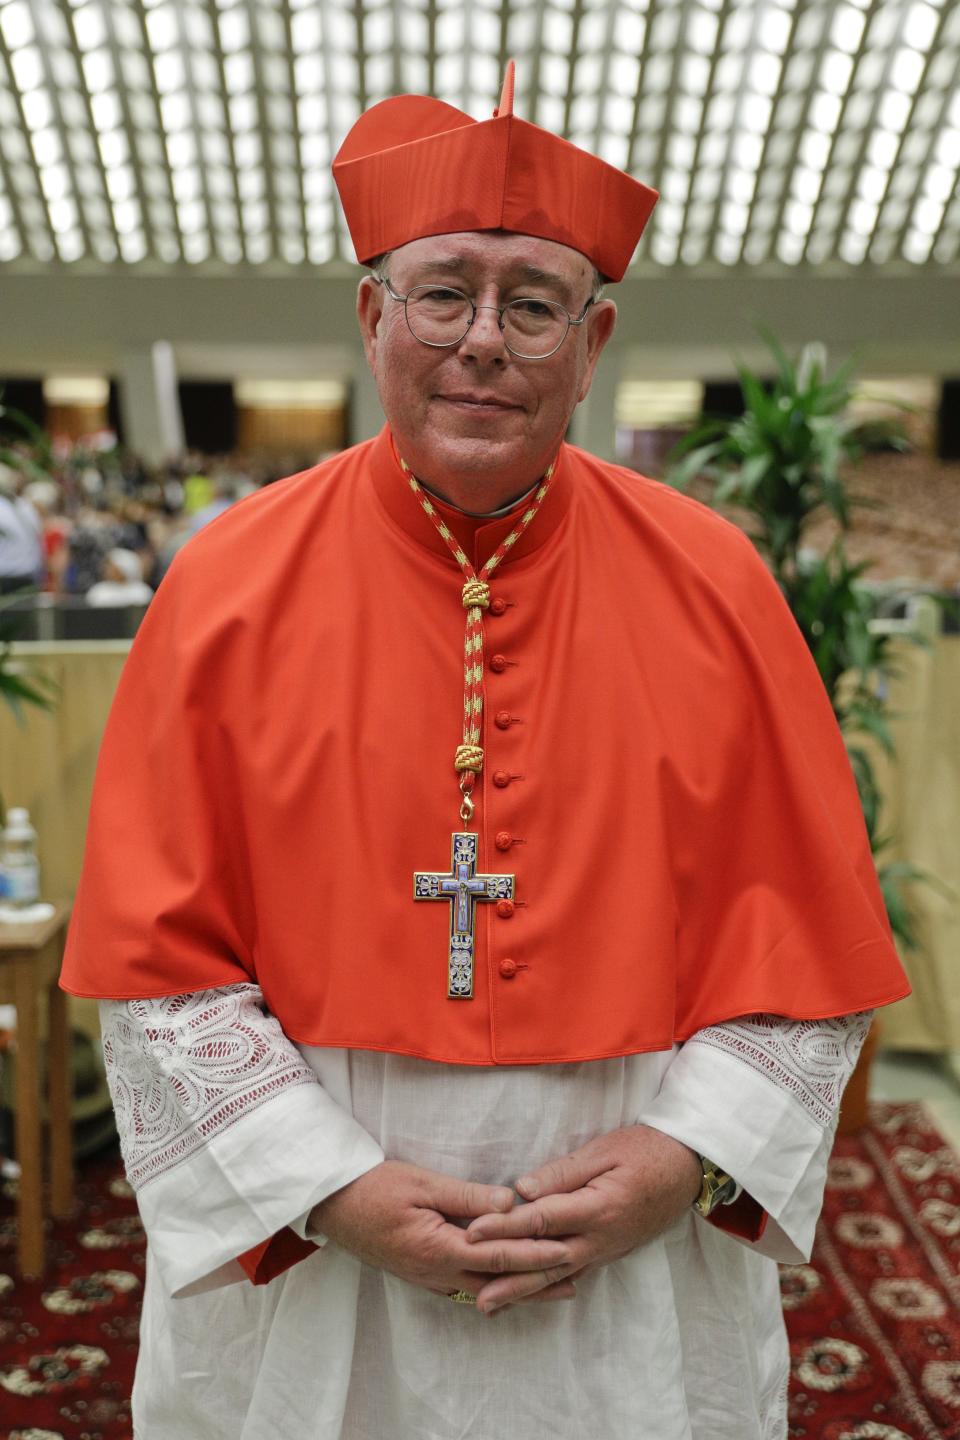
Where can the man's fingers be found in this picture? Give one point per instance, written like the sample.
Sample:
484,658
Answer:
504,1257
562,1290
508,1291
468,1197
553,1215
570,1172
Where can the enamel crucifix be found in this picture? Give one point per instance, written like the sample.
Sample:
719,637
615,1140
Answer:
462,888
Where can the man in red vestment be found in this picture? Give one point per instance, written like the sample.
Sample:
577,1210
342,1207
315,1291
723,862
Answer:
648,970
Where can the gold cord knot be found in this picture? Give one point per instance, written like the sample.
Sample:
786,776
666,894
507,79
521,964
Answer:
468,757
476,592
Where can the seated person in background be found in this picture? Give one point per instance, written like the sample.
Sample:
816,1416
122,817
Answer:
122,581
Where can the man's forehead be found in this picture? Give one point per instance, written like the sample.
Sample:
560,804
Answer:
527,256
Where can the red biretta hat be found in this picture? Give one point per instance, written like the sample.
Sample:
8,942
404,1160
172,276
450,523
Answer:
413,166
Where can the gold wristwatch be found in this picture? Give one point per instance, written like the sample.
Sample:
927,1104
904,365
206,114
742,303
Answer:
718,1188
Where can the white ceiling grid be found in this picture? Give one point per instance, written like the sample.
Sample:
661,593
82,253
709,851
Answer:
201,131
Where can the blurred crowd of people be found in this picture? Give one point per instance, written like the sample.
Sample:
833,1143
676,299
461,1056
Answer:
97,525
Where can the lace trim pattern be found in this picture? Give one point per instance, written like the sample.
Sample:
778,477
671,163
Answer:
811,1059
184,1068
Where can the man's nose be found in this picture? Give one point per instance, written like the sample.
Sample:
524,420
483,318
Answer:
484,339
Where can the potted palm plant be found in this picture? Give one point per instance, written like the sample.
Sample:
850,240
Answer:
783,463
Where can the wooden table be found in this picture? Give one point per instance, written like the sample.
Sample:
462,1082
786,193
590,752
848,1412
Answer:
30,957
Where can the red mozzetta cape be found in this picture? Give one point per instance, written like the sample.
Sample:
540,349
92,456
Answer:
663,775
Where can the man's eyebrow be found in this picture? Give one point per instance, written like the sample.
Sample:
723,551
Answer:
524,272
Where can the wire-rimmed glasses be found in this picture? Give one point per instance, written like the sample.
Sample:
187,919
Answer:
437,315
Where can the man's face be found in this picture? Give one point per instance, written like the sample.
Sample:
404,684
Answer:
473,421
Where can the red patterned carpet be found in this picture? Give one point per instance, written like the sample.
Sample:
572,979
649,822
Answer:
873,1321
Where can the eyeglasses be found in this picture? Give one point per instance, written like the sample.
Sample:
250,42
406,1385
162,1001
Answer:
532,328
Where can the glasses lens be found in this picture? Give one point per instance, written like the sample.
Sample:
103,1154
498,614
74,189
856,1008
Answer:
438,316
534,328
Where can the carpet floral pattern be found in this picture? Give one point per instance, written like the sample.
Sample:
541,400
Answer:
873,1321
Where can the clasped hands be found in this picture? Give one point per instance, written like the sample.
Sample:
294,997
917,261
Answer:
592,1206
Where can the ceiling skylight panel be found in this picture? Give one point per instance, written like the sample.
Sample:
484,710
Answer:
825,112
733,217
836,70
701,31
906,71
706,184
162,29
186,184
727,248
243,112
920,26
169,72
629,30
790,247
798,71
681,150
191,217
763,75
126,216
554,74
927,108
550,114
806,185
872,183
37,109
740,186
894,111
755,113
668,217
280,114
451,77
63,215
846,29
694,74
196,247
16,25
106,111
773,29
308,74
664,248
414,73
862,217
89,26
624,75
27,68
47,149
882,149
121,184
239,73
234,30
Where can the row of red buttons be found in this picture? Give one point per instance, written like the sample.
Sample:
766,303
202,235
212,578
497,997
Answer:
501,778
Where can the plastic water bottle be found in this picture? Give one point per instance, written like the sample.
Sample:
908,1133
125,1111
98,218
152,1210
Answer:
18,859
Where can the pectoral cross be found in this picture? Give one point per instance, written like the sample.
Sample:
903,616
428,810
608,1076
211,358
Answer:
462,888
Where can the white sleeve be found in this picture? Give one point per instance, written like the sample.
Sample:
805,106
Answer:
760,1097
226,1133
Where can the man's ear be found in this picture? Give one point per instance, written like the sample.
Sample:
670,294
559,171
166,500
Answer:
600,326
369,310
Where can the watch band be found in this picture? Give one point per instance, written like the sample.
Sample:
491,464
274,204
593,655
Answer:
718,1188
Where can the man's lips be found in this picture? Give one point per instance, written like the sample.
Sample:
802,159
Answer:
478,402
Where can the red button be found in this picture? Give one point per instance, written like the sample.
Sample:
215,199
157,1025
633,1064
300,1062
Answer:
498,663
501,778
503,719
505,909
497,605
508,968
503,840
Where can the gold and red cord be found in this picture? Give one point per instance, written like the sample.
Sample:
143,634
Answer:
468,758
